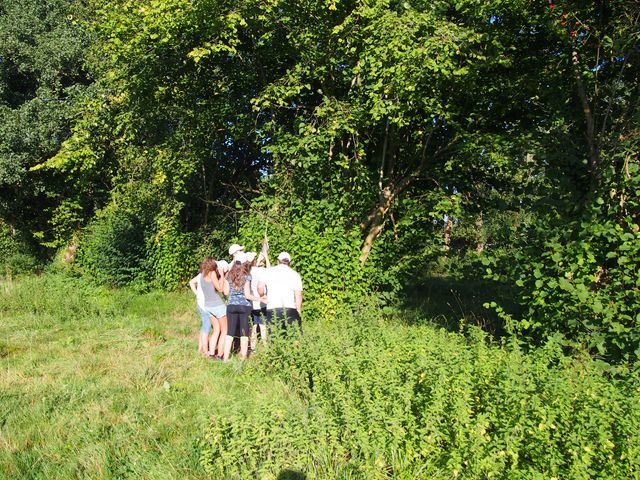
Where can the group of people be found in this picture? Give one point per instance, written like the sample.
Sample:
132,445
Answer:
256,294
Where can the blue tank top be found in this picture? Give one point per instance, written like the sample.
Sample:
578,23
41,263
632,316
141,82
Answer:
236,297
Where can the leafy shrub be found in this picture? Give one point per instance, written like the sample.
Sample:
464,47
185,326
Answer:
324,251
112,250
15,255
211,242
19,263
382,400
171,253
581,279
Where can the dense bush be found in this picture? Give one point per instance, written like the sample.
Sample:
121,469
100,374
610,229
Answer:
143,249
113,249
581,278
389,401
15,255
171,253
323,249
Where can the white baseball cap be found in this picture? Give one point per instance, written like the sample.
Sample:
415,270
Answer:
284,256
251,256
235,248
223,265
240,257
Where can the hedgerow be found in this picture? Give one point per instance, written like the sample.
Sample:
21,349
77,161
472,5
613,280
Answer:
386,400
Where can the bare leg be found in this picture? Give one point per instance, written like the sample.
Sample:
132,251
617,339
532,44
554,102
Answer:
223,335
254,337
263,333
213,339
227,347
244,346
202,342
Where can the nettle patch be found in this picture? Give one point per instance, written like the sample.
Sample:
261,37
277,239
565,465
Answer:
381,400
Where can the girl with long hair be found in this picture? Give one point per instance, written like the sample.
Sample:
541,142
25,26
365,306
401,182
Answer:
206,286
237,286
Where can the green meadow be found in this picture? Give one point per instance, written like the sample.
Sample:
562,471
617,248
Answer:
99,383
107,383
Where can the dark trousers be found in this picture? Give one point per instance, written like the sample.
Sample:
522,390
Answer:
238,320
284,318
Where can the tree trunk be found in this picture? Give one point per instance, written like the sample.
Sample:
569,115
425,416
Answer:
368,242
375,222
448,228
594,153
481,238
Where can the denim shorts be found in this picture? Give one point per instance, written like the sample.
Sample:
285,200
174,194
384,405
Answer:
206,312
258,316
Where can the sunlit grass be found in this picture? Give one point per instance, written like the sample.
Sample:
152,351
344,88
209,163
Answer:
97,383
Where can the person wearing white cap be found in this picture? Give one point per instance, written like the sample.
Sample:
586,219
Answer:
235,250
283,287
238,287
223,266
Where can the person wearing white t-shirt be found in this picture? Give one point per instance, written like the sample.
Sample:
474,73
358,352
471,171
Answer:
283,287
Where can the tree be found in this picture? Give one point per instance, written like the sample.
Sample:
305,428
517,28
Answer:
387,99
578,270
42,80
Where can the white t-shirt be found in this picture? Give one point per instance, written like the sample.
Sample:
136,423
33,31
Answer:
199,292
256,274
281,282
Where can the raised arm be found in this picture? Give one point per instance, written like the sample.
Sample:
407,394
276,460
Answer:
266,259
264,252
218,282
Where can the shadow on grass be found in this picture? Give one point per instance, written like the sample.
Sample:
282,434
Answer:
453,303
291,475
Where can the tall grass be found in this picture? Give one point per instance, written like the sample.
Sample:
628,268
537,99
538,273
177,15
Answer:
99,383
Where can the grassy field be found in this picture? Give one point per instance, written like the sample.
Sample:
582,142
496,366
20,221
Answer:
96,383
106,384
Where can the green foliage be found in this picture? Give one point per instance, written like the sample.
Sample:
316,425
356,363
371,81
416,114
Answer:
112,250
170,254
16,256
20,263
43,79
323,248
581,279
383,400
